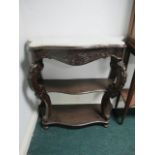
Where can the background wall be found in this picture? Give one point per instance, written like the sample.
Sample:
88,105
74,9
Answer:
68,18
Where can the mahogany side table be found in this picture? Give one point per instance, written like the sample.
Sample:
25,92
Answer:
76,115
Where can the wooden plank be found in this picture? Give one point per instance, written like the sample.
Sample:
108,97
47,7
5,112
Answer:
75,115
77,86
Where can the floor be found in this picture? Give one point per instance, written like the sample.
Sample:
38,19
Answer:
94,140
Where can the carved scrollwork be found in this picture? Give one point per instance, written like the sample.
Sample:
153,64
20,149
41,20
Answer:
81,58
34,77
118,75
77,56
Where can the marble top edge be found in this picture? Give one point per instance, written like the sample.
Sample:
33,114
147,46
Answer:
77,44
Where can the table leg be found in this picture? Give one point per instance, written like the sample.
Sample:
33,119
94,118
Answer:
34,77
106,106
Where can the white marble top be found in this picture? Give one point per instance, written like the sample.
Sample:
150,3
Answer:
78,41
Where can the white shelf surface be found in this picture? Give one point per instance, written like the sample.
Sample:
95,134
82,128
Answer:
76,41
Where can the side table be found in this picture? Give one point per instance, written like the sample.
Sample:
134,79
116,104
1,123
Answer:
76,115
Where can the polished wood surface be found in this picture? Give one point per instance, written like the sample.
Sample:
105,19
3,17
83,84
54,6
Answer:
75,115
77,86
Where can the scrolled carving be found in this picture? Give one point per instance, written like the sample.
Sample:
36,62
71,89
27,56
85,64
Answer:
79,56
34,77
118,75
106,106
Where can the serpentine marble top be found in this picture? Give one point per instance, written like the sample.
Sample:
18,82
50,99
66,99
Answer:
76,42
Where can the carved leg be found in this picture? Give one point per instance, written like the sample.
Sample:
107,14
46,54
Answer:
106,106
113,65
118,77
35,78
117,100
48,106
41,109
45,126
45,108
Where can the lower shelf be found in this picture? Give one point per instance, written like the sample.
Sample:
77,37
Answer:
75,115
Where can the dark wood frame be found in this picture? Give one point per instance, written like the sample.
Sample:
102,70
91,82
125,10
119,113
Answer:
77,116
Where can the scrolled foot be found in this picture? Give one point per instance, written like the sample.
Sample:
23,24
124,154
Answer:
106,125
45,127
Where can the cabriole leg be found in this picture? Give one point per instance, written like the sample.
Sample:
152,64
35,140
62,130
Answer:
34,78
106,106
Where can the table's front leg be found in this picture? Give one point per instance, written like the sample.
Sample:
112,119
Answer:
34,77
106,106
118,76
